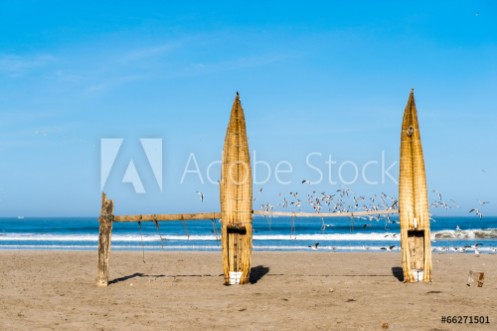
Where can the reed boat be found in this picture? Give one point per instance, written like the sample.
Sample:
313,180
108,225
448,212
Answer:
236,200
413,201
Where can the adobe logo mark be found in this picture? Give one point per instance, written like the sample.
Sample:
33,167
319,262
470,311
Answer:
109,149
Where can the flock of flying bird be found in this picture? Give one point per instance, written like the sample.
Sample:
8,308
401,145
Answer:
337,202
341,201
344,201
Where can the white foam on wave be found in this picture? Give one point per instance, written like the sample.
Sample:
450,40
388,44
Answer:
375,236
46,237
42,247
465,234
155,237
157,247
193,247
94,238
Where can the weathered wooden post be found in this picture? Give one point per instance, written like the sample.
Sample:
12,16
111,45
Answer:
104,239
236,200
413,201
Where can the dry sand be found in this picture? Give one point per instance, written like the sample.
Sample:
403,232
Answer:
294,291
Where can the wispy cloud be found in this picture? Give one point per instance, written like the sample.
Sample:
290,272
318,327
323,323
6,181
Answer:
147,52
91,69
106,70
36,134
255,61
238,63
102,86
16,65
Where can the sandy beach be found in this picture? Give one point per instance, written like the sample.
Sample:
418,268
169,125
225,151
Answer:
45,290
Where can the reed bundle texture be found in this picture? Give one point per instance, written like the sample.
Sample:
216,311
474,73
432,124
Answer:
236,198
413,200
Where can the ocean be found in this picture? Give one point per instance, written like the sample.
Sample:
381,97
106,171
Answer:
270,234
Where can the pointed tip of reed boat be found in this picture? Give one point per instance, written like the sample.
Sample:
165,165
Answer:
410,101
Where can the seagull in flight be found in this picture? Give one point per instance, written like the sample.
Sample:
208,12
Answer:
294,194
475,248
389,248
439,194
201,195
477,212
314,247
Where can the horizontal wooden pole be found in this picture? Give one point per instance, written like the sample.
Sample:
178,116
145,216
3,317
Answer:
217,215
351,214
166,217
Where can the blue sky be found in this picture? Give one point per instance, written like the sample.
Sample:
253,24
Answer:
316,79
